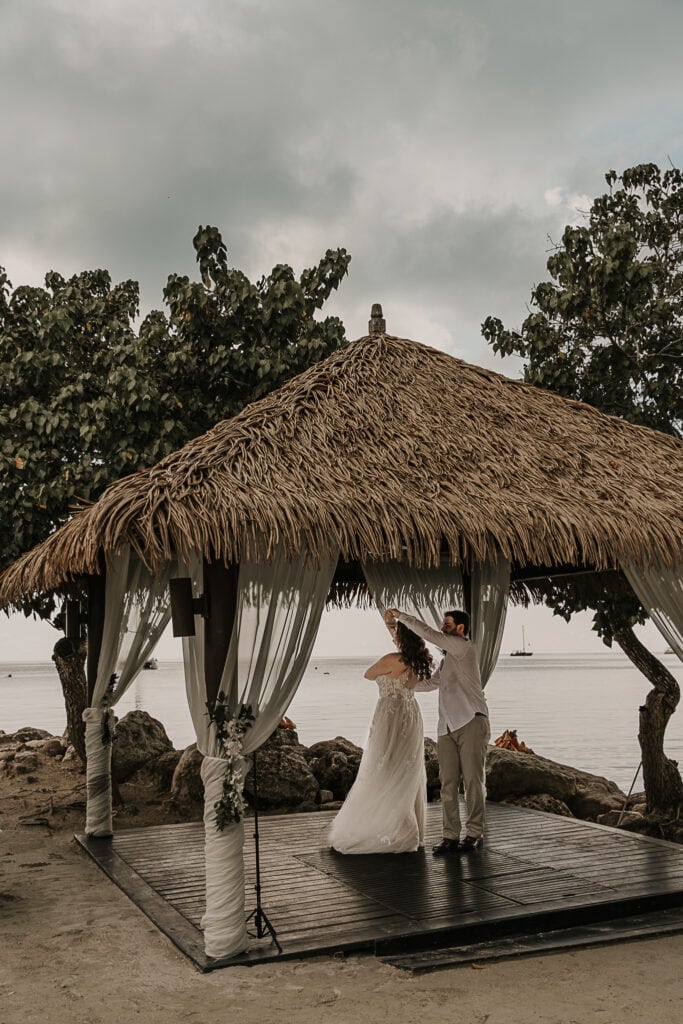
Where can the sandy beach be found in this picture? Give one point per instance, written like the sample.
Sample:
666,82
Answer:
75,949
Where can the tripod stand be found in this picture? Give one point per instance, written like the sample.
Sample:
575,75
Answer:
263,925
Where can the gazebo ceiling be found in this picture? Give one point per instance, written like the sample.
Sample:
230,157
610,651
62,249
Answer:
391,449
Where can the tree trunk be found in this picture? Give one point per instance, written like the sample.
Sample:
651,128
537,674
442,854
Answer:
662,779
69,657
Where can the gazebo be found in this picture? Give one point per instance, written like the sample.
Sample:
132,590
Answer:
389,463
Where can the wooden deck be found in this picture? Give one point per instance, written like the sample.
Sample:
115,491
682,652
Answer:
537,872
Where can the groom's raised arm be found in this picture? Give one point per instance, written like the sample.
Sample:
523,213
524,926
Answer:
452,644
435,636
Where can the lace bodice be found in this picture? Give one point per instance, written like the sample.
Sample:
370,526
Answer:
395,687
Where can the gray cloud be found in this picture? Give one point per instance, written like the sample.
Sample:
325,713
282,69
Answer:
421,137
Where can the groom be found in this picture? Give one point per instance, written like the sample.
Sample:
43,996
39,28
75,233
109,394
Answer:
463,727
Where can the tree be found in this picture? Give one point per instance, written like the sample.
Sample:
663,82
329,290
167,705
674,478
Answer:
85,398
608,330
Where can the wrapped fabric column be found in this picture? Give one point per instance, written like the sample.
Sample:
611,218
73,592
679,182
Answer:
136,613
278,609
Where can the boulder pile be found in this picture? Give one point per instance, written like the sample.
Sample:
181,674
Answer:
293,777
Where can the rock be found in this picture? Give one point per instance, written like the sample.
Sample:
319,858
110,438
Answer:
432,769
187,788
541,802
334,763
595,795
306,807
159,772
24,735
284,777
638,808
7,755
70,755
53,747
283,737
25,761
138,738
325,796
629,819
512,774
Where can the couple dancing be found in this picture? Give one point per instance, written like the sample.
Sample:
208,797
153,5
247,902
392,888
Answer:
384,811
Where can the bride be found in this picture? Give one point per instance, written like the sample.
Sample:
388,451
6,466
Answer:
384,811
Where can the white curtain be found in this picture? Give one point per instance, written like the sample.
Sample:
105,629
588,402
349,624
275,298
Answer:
660,592
136,613
424,593
490,586
428,593
279,605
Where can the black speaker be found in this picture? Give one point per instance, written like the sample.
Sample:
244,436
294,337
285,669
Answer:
182,615
184,606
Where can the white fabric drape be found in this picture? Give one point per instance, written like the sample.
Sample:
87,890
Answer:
424,593
427,593
660,592
136,613
490,586
278,611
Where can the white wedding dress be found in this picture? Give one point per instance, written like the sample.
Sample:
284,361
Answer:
384,811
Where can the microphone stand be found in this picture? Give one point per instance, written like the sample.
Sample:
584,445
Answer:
263,925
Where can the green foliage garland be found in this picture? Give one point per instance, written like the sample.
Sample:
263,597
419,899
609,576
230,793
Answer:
229,732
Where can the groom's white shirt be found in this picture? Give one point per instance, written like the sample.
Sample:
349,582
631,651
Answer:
457,678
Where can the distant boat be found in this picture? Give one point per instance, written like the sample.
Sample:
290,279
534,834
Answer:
152,663
522,652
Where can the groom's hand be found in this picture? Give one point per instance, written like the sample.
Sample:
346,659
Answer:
391,616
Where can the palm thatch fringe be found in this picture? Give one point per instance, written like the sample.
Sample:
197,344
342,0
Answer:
387,450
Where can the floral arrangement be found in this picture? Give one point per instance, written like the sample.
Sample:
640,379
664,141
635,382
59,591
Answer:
229,731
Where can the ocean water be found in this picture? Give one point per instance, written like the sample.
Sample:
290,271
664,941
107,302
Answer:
580,710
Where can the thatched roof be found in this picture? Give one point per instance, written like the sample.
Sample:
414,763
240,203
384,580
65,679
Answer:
391,449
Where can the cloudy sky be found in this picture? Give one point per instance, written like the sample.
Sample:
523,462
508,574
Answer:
441,143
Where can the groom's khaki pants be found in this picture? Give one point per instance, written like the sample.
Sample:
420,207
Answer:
462,755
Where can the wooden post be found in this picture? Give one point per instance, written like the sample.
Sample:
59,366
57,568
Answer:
96,594
220,588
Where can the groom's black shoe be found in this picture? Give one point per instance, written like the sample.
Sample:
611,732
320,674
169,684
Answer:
446,846
470,843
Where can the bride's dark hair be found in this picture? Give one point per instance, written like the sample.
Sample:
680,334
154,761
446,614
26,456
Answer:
413,652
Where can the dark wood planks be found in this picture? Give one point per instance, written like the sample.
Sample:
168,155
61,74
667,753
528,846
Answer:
536,872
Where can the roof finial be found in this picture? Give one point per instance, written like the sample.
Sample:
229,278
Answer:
377,324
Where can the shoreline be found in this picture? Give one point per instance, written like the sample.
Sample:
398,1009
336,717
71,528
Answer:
566,709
